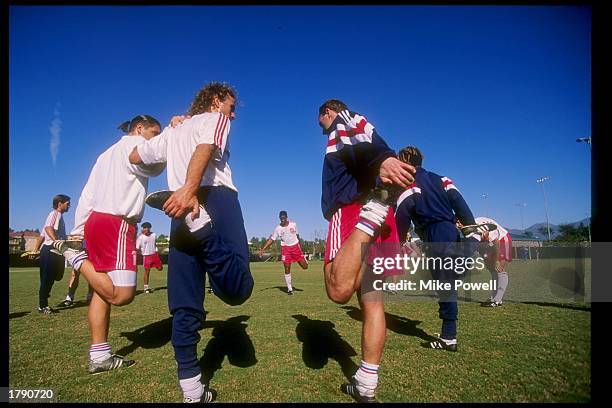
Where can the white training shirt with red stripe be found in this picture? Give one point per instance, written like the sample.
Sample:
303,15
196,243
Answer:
287,234
115,186
55,221
146,244
497,234
176,146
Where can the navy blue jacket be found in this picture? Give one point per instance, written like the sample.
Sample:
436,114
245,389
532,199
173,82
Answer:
354,154
430,199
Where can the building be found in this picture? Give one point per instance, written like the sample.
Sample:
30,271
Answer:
22,241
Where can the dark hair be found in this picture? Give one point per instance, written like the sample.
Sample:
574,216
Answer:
411,155
145,120
203,101
280,214
60,199
145,225
333,104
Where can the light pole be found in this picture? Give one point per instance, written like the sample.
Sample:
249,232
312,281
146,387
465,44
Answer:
541,181
587,140
522,205
485,195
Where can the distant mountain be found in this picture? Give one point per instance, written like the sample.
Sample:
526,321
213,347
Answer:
539,230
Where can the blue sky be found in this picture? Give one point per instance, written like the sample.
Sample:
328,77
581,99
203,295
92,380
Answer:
493,96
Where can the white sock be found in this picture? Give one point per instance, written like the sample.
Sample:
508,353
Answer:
99,352
367,379
146,287
75,258
199,222
69,298
192,387
288,281
372,216
502,284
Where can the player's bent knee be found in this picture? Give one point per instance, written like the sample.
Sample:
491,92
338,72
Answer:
340,295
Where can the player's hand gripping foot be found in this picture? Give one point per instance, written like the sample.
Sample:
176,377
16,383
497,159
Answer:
114,362
31,255
209,395
478,228
72,250
351,389
157,199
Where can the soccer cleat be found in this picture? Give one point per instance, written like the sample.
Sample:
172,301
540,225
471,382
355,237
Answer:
492,304
45,310
440,344
290,292
31,255
112,363
209,395
66,303
157,199
351,389
148,290
478,228
386,194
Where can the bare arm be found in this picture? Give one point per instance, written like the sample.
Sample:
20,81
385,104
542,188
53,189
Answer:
135,156
185,199
266,245
51,232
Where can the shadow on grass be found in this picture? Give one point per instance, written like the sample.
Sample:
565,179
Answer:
322,342
282,289
152,336
561,305
140,292
74,305
395,323
17,315
229,338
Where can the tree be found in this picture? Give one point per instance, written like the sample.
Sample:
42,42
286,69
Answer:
569,233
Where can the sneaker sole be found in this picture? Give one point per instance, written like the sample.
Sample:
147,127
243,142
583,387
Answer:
157,199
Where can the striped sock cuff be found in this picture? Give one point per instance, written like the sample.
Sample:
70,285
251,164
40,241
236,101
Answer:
367,226
369,368
100,347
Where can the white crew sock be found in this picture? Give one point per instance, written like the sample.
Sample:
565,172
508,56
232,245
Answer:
367,379
502,284
99,352
288,281
372,216
192,387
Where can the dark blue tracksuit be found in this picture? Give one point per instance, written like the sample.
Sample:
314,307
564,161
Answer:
220,249
51,268
350,170
431,203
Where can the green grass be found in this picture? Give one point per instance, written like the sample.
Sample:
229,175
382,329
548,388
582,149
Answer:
279,348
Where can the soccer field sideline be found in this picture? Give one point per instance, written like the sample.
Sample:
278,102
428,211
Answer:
278,348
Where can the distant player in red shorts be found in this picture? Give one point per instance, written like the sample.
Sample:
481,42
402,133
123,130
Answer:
145,243
290,246
497,258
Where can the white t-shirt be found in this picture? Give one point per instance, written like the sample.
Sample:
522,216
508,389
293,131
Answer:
54,220
498,234
146,243
115,186
287,234
176,146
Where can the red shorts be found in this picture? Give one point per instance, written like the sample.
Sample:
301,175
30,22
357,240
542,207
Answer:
290,254
111,242
342,225
151,261
505,249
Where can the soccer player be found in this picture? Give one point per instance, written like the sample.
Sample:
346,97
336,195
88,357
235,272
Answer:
150,259
355,156
498,256
52,264
432,203
207,232
110,206
290,246
73,284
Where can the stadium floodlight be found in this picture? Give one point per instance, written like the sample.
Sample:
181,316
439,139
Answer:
522,206
541,181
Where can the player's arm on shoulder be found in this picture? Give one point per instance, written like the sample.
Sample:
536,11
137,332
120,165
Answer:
151,151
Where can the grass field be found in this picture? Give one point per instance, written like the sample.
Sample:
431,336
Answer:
280,348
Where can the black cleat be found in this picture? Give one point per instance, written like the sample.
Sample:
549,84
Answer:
386,194
66,303
209,395
157,199
290,292
491,304
440,344
478,228
45,310
351,389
